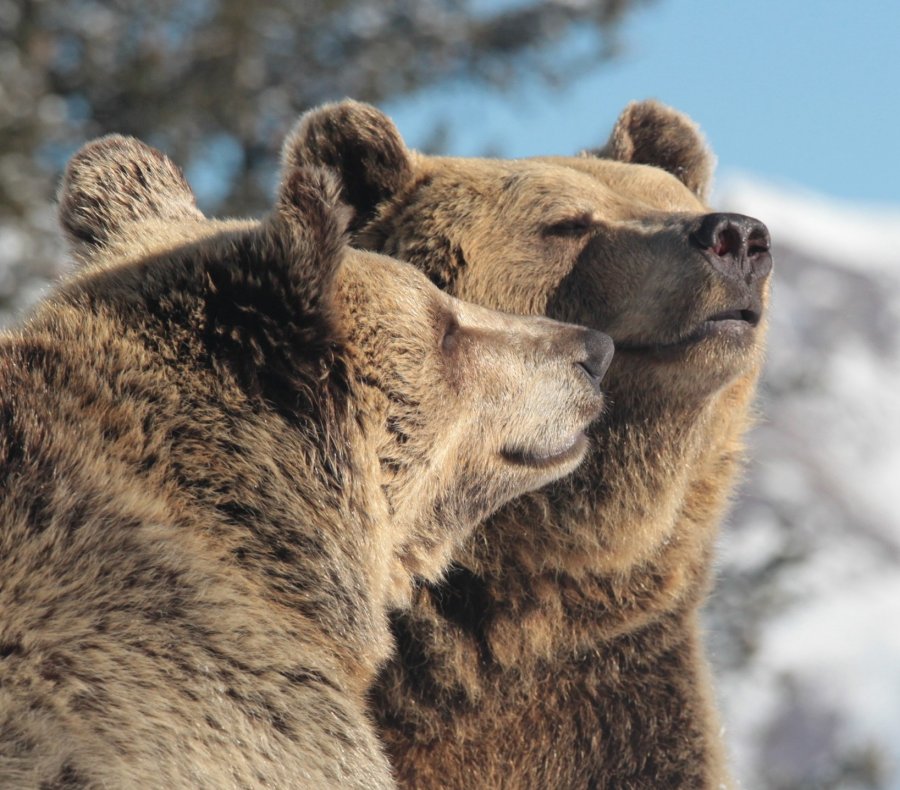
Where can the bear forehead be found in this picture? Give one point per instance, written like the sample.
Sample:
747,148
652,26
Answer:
560,185
375,288
644,183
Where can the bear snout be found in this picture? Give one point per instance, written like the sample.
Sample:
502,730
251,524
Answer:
598,348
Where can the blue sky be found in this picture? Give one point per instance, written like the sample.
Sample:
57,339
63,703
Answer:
794,91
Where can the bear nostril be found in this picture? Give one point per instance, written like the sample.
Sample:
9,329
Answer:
598,355
758,241
727,242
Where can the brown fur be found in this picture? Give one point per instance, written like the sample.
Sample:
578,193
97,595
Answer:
564,649
225,450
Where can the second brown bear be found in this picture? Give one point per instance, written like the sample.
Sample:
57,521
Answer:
564,649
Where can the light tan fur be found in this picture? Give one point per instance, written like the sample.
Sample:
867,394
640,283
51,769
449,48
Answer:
226,449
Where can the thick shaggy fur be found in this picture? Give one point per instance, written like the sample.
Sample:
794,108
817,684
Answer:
220,446
564,649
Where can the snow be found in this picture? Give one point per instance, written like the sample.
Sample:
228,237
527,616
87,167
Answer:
805,620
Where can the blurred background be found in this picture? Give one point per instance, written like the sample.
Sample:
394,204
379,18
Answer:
801,102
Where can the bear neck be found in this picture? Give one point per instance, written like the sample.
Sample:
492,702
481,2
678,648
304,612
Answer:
571,566
273,482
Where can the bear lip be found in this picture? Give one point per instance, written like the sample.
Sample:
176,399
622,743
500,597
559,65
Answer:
737,321
750,316
543,459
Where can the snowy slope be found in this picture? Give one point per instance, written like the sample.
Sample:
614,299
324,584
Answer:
805,622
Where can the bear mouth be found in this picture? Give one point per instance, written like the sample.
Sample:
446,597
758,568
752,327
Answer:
734,323
572,448
749,316
737,324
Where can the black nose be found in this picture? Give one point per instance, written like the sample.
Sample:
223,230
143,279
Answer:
598,354
736,245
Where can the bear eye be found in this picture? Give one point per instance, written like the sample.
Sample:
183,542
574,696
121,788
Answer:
571,226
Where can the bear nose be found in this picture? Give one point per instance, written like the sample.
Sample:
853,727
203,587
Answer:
598,349
735,245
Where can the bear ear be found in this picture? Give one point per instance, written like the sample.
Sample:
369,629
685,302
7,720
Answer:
650,133
308,231
114,182
361,145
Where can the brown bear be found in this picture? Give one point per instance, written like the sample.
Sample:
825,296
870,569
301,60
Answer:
563,650
226,449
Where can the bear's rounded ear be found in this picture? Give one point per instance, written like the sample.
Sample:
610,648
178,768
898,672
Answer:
650,133
361,145
114,182
308,231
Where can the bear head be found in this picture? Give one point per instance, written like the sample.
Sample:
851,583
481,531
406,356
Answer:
434,411
619,238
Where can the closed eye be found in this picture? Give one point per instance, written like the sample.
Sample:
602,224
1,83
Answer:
577,226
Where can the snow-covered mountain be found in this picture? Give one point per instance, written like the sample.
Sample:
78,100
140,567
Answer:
805,621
